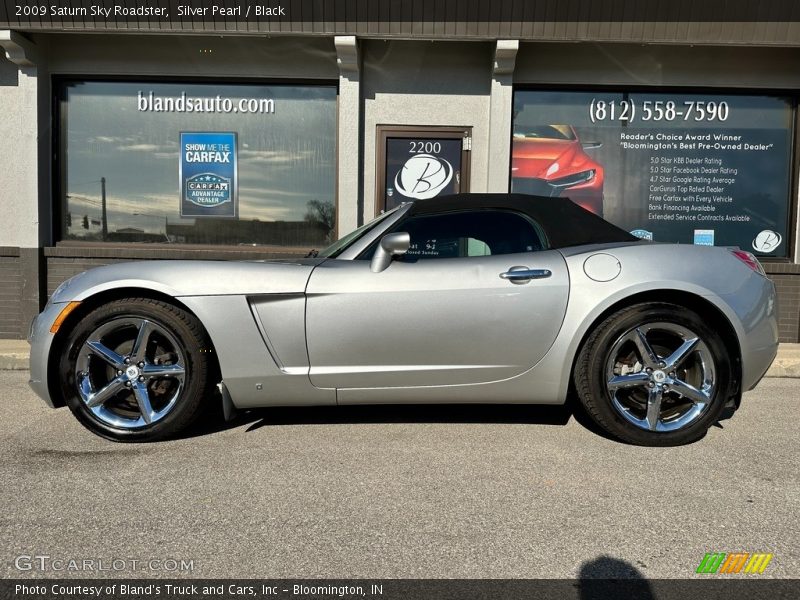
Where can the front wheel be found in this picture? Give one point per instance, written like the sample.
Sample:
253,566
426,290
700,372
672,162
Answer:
136,369
654,374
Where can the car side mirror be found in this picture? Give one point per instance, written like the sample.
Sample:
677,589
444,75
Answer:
392,244
591,145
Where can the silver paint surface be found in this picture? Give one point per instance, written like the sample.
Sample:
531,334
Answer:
321,331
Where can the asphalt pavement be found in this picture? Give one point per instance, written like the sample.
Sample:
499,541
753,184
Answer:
399,492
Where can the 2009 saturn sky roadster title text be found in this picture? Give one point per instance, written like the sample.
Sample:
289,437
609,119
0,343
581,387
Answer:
121,11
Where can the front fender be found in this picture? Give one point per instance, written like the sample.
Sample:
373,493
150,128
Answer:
216,292
178,278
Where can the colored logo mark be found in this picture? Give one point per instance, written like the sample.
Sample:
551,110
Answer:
767,241
734,562
208,189
423,176
704,237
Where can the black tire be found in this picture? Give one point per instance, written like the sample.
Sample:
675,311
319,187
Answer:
594,360
172,327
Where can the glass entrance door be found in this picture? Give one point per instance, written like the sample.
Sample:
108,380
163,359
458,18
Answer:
418,163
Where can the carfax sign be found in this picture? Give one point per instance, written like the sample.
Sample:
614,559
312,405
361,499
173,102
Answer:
208,177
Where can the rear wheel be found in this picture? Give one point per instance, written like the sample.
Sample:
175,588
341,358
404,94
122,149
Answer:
654,374
136,370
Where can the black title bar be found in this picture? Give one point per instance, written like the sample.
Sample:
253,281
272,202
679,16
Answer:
712,588
79,13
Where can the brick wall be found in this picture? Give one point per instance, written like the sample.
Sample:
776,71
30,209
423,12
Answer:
10,293
787,281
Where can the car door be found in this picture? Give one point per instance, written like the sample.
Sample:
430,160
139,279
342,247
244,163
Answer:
477,298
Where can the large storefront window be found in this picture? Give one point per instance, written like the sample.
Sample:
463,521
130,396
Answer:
199,163
688,168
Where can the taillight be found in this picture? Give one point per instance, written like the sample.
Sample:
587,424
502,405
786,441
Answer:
750,260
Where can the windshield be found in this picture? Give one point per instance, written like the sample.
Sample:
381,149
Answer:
338,246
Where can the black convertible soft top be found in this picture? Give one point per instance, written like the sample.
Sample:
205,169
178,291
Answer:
564,222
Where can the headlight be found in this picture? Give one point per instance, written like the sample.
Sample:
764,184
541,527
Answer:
571,180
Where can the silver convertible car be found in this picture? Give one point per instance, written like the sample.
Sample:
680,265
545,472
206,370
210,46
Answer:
470,298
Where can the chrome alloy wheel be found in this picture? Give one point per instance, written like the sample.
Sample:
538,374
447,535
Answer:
660,376
130,372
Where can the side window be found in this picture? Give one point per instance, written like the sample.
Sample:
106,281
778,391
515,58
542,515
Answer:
469,233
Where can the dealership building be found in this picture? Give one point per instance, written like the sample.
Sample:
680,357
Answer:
225,137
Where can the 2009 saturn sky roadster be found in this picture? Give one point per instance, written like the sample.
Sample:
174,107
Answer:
468,298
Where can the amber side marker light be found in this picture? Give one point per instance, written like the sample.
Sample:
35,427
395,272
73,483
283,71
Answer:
63,315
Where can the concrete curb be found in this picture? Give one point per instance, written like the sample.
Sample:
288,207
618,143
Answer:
784,368
787,364
13,362
14,357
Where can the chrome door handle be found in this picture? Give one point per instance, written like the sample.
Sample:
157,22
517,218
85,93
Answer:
521,274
